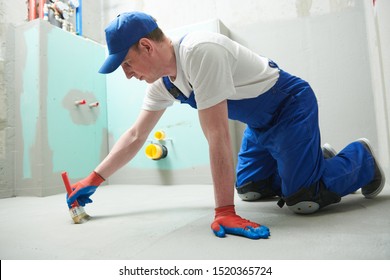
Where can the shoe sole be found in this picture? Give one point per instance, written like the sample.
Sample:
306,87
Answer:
305,207
250,196
328,151
382,184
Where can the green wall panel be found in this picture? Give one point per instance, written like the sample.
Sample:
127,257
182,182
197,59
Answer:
75,132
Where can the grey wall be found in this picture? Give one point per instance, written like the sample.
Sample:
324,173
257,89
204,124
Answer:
329,51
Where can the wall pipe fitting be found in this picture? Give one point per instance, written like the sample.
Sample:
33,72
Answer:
80,102
156,151
79,20
45,12
32,9
159,135
41,6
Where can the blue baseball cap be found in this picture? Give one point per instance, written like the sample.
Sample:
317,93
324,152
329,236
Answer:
122,33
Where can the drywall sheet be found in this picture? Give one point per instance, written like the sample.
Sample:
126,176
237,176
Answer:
77,134
53,69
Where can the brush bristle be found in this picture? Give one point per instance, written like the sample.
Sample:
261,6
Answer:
79,215
84,214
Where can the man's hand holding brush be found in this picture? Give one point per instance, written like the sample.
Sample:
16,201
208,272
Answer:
82,190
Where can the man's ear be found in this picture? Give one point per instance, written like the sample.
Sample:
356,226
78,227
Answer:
145,44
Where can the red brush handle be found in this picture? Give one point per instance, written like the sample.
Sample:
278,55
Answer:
68,186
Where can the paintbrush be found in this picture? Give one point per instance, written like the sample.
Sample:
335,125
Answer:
77,213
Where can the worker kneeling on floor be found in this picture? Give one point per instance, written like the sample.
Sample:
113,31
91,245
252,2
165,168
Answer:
281,150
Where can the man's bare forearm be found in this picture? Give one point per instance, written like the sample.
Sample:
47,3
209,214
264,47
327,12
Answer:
129,143
215,126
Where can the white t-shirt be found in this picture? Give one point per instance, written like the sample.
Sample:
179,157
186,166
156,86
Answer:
217,68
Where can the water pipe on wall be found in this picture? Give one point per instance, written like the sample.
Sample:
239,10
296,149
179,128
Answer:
159,135
84,102
62,12
93,104
32,9
41,6
36,9
80,102
79,14
45,12
156,151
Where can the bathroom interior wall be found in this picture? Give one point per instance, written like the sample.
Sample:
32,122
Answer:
14,13
52,133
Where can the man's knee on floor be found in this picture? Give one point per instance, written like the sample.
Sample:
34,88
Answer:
310,200
256,190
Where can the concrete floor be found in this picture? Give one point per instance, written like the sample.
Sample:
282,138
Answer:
173,222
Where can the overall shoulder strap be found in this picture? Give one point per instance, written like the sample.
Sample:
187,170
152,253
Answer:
176,92
173,90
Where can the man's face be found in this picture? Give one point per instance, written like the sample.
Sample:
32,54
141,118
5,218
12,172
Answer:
138,63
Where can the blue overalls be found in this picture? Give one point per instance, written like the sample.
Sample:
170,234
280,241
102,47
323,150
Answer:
281,146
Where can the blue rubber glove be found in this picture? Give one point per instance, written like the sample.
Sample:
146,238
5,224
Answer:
227,221
83,189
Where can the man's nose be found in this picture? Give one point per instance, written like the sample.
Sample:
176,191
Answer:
129,74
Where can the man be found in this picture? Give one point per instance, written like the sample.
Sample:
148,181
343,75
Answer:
280,153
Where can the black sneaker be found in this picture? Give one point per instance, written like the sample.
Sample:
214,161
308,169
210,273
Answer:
376,185
328,151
